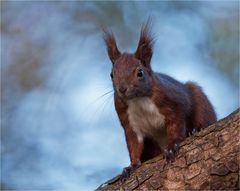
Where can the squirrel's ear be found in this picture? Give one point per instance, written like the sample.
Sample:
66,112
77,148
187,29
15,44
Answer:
145,45
111,45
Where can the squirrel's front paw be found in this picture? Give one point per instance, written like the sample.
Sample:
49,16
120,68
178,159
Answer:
170,152
128,171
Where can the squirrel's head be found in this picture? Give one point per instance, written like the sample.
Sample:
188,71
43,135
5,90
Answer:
131,73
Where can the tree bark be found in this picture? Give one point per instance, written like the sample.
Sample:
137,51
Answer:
208,160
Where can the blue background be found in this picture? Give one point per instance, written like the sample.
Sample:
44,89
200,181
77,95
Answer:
57,130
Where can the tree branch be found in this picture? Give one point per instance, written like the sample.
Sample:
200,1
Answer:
207,160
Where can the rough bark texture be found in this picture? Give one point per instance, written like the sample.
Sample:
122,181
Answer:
207,160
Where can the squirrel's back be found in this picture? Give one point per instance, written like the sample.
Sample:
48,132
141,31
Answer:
199,111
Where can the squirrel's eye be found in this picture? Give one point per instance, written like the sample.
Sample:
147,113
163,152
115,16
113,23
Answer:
111,75
140,73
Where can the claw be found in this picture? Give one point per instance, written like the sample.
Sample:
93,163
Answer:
176,147
194,131
127,172
169,153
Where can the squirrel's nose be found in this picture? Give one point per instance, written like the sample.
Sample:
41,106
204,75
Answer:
122,89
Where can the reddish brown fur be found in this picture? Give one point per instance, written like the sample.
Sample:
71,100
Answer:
185,107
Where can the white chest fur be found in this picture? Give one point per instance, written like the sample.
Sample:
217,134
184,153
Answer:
145,118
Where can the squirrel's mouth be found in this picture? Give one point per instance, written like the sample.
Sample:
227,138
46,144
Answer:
132,95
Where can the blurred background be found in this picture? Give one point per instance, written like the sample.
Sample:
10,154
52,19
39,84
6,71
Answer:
59,130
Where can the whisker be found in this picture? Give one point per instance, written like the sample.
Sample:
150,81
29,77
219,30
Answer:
99,97
99,111
105,103
105,94
110,106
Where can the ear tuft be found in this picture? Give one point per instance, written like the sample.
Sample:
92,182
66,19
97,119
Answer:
145,45
111,45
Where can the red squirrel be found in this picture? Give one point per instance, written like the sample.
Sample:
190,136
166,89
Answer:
156,111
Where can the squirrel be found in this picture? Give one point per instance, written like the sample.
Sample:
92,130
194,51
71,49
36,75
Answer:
156,111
